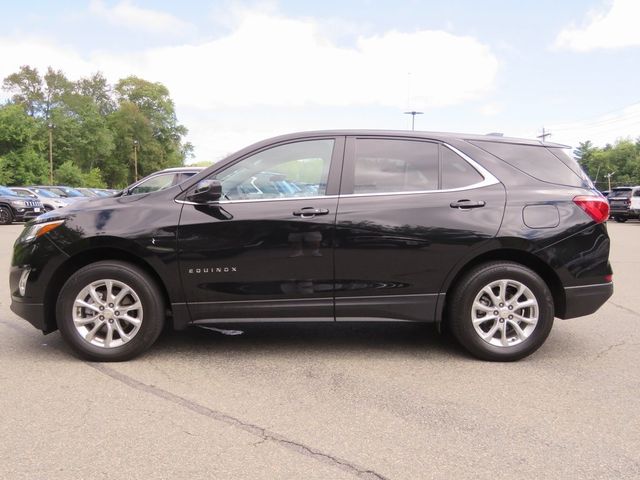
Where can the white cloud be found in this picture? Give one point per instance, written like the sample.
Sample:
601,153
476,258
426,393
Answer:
126,14
491,109
615,26
268,60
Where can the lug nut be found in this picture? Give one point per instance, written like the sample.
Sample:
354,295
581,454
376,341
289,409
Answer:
510,317
101,317
495,312
510,307
111,320
502,305
101,308
117,313
502,320
111,305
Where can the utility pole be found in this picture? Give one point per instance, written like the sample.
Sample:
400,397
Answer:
51,126
413,114
544,135
609,175
136,144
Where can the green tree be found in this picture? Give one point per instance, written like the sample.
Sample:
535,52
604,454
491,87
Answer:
56,88
93,179
26,87
20,161
69,174
94,129
99,91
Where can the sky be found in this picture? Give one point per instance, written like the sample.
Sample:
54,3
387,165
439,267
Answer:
242,71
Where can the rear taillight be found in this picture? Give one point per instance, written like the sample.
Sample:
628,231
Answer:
596,207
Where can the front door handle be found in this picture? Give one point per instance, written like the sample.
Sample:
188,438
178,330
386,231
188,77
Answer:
308,212
467,204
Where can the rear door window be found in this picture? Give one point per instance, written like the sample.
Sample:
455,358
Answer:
389,166
456,172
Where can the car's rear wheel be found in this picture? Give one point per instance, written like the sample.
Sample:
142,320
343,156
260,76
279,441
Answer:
621,219
501,311
110,311
6,217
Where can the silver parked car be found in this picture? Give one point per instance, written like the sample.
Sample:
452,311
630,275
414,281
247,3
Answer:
50,200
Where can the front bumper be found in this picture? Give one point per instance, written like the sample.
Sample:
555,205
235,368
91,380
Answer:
31,312
586,299
26,214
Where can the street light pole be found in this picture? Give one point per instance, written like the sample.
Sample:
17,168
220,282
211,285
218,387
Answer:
135,159
51,126
609,175
413,114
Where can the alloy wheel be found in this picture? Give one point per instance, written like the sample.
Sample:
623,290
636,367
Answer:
107,313
505,313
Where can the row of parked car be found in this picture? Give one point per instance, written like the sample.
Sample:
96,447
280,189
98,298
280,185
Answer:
624,203
20,204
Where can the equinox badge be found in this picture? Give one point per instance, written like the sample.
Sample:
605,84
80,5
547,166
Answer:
213,270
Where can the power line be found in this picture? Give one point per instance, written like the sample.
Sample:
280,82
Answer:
603,121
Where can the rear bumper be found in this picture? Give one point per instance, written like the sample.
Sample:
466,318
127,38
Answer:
626,213
586,299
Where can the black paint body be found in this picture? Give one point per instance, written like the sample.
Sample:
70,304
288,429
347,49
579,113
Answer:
368,258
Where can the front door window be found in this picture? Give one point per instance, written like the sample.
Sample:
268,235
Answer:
293,170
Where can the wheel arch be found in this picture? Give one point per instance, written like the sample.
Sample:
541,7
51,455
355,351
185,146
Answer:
522,257
86,257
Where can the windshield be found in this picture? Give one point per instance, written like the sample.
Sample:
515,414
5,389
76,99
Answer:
6,191
47,194
72,192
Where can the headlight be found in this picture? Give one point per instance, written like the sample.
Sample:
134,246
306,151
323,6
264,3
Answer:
38,229
18,203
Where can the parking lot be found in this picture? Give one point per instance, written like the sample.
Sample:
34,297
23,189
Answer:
329,401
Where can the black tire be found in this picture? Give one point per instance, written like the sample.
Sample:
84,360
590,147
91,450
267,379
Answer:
151,299
462,299
6,216
621,219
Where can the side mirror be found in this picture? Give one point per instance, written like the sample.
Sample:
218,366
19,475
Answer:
206,191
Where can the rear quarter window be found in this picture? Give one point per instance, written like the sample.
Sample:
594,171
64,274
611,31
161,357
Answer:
538,162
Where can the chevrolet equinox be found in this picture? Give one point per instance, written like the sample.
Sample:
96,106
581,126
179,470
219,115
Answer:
492,237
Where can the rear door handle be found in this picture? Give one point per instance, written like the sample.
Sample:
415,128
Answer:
308,212
467,204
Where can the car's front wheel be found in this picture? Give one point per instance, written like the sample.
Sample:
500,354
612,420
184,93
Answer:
621,219
110,311
501,311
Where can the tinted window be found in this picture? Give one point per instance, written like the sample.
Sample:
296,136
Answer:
621,193
296,169
153,184
534,160
636,193
383,166
456,172
572,163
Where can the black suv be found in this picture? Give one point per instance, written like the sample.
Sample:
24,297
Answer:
14,208
493,237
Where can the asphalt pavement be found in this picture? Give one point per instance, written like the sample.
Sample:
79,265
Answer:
329,401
